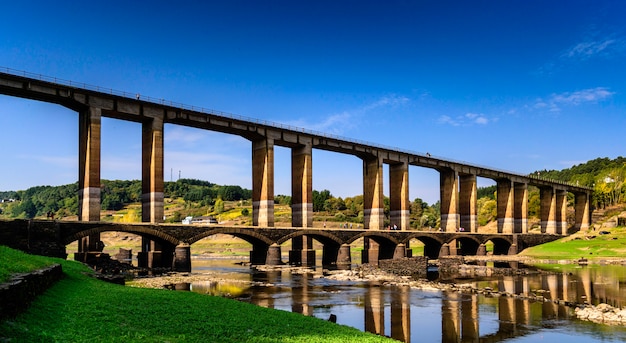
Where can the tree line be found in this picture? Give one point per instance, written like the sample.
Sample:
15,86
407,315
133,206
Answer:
604,175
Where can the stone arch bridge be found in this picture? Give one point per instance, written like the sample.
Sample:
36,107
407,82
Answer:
170,243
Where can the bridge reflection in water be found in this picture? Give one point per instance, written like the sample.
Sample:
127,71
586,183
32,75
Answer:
413,315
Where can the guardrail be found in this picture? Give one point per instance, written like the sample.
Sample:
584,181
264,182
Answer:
137,96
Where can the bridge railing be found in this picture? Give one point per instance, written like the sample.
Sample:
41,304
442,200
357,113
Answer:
161,101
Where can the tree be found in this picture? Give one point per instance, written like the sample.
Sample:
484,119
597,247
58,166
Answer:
219,205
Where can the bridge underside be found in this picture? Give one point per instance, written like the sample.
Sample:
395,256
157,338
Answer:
168,246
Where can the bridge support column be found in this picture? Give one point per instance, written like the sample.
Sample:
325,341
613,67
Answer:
152,171
258,254
302,186
274,255
445,250
371,251
468,197
399,252
482,250
449,188
548,210
302,253
520,209
344,259
182,258
582,211
263,182
505,206
89,130
150,255
89,165
561,212
399,203
373,207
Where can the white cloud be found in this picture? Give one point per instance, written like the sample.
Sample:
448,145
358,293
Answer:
590,95
338,123
585,50
466,120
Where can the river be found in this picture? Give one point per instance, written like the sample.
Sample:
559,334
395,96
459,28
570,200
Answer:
415,315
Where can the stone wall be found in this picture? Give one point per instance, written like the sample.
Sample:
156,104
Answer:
33,237
17,294
408,266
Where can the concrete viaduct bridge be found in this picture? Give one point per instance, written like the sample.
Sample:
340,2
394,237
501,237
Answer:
458,187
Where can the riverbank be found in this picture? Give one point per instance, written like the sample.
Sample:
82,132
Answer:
474,267
81,308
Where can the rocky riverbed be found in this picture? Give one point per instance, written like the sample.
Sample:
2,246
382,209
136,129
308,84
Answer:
601,313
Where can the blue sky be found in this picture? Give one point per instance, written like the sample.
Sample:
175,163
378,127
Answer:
513,85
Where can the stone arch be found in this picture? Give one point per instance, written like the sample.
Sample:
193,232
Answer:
330,242
464,245
432,244
138,230
501,244
249,236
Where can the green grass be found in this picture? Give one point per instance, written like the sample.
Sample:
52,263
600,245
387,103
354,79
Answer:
589,244
16,262
80,308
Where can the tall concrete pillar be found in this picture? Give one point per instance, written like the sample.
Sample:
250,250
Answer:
263,182
89,164
505,206
302,186
548,210
152,171
373,207
468,197
581,206
520,208
449,188
399,204
561,212
89,130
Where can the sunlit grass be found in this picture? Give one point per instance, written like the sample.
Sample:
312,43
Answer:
80,308
589,244
16,262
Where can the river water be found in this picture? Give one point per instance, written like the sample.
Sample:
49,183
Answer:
413,315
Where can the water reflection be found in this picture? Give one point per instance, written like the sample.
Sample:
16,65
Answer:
518,307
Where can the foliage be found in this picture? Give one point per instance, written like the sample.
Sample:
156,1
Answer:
80,308
115,195
604,175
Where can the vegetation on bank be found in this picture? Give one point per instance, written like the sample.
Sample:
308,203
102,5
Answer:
80,308
16,262
589,244
121,200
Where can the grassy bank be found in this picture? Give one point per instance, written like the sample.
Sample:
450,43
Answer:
17,262
80,308
599,244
